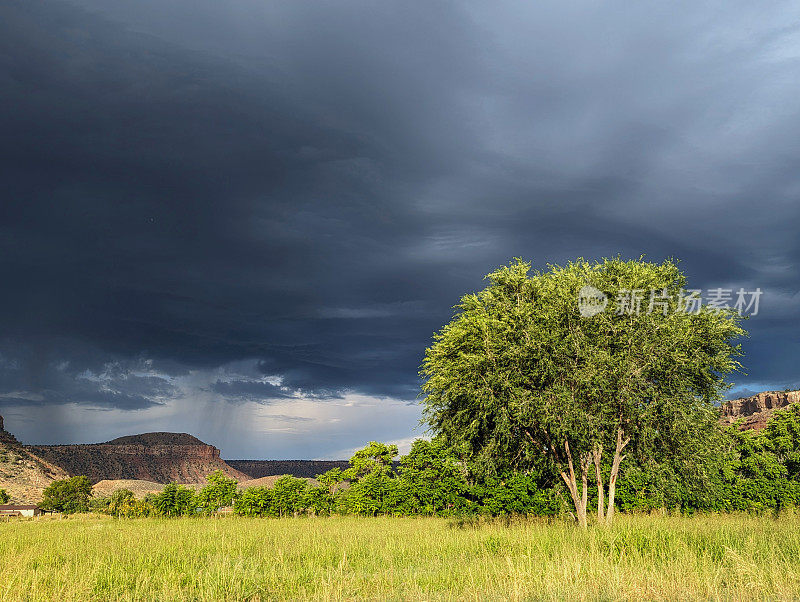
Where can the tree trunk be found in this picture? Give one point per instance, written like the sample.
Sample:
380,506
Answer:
612,481
572,484
585,483
596,455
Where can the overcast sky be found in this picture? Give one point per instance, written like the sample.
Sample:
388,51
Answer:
245,219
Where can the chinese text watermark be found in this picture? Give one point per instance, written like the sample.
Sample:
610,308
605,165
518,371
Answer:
592,301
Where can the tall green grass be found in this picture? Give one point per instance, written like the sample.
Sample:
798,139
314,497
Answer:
667,558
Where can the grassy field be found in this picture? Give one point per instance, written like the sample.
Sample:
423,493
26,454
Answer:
670,558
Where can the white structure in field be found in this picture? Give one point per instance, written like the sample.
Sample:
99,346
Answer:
18,510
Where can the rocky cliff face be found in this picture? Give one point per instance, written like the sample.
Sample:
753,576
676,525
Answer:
158,457
756,410
23,474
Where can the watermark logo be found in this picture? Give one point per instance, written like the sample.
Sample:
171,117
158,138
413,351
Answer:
591,301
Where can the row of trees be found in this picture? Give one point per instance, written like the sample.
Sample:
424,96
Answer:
75,495
743,471
429,480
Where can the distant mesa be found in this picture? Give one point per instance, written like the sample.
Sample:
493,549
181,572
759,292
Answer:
156,439
156,457
303,469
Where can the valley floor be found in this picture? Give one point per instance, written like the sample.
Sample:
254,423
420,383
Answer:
668,558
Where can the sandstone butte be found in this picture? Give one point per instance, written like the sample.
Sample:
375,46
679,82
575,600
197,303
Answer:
157,457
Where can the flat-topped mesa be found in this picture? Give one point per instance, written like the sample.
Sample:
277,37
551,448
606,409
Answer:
158,457
157,439
756,409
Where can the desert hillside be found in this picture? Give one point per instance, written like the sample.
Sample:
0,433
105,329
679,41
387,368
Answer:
23,474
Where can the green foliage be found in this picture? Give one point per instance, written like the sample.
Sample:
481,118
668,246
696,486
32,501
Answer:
374,458
255,501
287,497
4,497
430,480
175,500
220,492
742,471
68,496
434,480
373,487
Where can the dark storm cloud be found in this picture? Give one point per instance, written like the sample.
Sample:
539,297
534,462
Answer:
313,186
30,379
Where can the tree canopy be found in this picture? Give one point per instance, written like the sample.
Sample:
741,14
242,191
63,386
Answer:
68,495
520,373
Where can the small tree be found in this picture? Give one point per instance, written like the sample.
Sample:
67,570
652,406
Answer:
219,492
4,497
520,373
175,500
289,495
68,496
331,479
255,501
435,480
374,458
373,488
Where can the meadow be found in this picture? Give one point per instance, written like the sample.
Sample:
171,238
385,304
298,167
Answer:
91,557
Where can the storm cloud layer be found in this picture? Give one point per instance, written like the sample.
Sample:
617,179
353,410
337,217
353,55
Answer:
241,216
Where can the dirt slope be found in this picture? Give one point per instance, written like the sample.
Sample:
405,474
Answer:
23,474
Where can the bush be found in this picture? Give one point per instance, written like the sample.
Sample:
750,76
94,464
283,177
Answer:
123,504
4,497
743,471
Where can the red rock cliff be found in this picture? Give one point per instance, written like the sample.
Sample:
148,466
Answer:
756,410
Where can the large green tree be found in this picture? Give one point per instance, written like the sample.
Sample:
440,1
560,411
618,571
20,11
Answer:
525,371
68,496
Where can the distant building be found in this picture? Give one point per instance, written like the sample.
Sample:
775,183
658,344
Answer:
18,510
